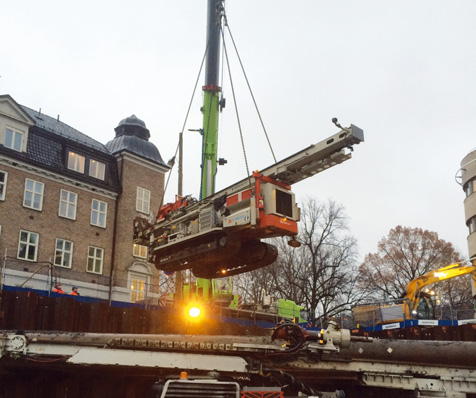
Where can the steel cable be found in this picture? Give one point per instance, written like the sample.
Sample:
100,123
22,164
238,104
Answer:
236,109
185,121
249,87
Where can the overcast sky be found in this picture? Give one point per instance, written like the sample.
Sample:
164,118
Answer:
403,71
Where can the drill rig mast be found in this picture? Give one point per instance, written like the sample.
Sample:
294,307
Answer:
221,234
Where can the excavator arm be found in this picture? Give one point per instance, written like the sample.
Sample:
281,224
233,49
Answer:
415,286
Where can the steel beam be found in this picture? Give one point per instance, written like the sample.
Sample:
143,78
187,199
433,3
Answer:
430,368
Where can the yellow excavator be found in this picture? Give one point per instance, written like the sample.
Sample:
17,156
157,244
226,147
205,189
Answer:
417,302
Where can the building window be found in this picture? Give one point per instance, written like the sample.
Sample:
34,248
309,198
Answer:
3,184
95,260
98,213
33,194
97,169
63,253
469,188
140,251
28,246
76,162
472,225
138,286
67,206
13,139
143,200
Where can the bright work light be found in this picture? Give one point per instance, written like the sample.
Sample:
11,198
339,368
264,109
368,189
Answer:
194,312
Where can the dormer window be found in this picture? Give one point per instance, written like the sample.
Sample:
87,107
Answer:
143,200
76,162
97,169
13,139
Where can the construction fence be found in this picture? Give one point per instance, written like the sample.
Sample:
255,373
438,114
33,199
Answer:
43,276
28,310
24,310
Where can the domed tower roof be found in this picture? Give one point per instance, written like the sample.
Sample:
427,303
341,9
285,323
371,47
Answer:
133,136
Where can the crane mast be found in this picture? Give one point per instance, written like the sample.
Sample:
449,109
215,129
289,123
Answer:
211,99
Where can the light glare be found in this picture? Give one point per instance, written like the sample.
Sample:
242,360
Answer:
194,312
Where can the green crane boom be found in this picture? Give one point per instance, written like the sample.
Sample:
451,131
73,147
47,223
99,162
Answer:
211,99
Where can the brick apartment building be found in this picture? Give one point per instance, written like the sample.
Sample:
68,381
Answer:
68,203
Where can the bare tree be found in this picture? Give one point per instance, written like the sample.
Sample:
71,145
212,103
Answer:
456,298
326,263
403,255
321,274
254,285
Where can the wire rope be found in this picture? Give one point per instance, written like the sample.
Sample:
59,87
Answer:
236,109
249,86
185,121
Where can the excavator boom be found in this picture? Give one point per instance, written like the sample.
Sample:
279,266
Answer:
415,286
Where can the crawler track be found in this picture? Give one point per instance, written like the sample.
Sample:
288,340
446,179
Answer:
252,255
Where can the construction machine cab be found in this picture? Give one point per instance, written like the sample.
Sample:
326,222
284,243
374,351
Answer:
425,308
